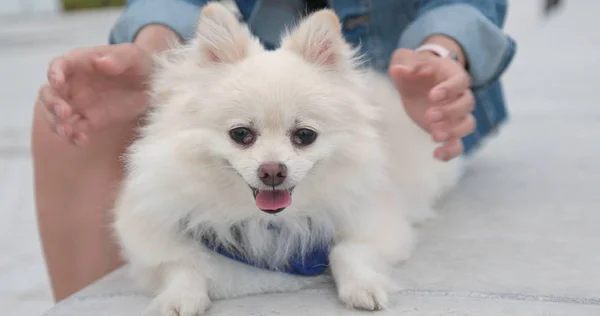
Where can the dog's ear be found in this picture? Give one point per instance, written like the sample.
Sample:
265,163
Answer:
220,38
318,39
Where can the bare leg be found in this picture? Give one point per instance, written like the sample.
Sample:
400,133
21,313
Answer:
74,192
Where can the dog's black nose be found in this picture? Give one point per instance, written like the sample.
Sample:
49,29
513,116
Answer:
272,173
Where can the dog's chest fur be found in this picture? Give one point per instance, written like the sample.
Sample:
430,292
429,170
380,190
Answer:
296,247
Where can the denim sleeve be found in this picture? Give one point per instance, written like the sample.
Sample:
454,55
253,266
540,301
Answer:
475,24
179,15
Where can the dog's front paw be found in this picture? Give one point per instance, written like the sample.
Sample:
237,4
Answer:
182,302
365,290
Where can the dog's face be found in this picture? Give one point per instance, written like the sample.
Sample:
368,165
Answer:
271,117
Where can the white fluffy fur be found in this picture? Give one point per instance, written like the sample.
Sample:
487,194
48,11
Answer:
366,180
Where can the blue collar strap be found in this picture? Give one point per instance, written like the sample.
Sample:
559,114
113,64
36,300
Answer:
313,263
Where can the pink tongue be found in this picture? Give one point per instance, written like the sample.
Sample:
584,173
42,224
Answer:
272,200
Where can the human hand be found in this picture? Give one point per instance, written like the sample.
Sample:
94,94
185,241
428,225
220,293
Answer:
93,88
436,95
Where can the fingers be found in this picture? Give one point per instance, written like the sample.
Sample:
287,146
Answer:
449,150
450,134
57,75
405,57
60,116
451,122
460,107
116,61
74,130
78,129
62,67
79,139
406,62
451,88
464,127
81,125
56,70
442,88
445,130
108,65
453,110
65,74
58,110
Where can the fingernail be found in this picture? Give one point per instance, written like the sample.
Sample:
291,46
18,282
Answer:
59,110
404,68
438,94
441,155
67,130
49,116
441,136
436,115
103,59
79,139
57,75
425,70
60,130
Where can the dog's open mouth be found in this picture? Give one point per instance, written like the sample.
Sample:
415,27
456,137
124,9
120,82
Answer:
274,200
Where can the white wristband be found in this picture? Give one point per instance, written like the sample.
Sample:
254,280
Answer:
438,50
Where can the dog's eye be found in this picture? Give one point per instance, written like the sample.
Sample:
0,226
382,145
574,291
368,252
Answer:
242,135
304,137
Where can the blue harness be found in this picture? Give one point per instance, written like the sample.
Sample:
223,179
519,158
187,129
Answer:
313,263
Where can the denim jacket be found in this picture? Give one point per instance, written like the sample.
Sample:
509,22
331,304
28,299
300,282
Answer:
380,27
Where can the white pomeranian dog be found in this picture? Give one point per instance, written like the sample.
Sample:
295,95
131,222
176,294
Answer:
268,171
